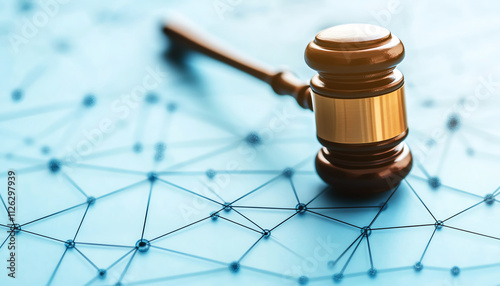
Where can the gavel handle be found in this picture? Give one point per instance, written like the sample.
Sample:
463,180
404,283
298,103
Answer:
282,82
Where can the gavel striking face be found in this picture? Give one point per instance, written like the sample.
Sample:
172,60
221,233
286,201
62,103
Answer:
357,97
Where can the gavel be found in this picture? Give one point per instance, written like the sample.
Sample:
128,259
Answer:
357,97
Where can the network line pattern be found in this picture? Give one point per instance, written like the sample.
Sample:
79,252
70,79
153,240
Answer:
187,182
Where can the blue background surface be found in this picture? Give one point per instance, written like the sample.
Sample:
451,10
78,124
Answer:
213,135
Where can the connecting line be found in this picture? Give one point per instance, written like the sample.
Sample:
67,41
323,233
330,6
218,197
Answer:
180,276
189,191
427,246
109,169
34,111
256,189
147,210
352,254
57,267
253,245
4,241
426,174
74,184
266,208
341,208
121,189
403,226
474,205
248,219
369,251
112,265
23,158
205,156
317,196
56,213
267,272
41,235
472,232
190,255
126,267
86,258
445,153
294,190
283,221
347,249
239,224
413,190
103,244
447,187
180,228
81,222
212,191
27,170
6,209
334,219
383,206
496,192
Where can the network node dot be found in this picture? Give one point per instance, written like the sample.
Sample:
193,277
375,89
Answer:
160,147
137,148
159,156
430,142
54,165
303,280
338,277
91,200
210,173
439,224
453,122
152,176
470,151
418,266
331,263
172,107
372,272
234,267
301,208
17,95
455,271
101,273
266,233
89,100
214,216
69,243
29,141
15,228
489,199
227,207
253,138
288,172
142,245
434,182
152,98
366,231
45,150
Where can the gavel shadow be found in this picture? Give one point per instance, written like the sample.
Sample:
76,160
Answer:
334,198
177,58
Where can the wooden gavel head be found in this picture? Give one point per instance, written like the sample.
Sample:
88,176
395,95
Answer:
359,105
